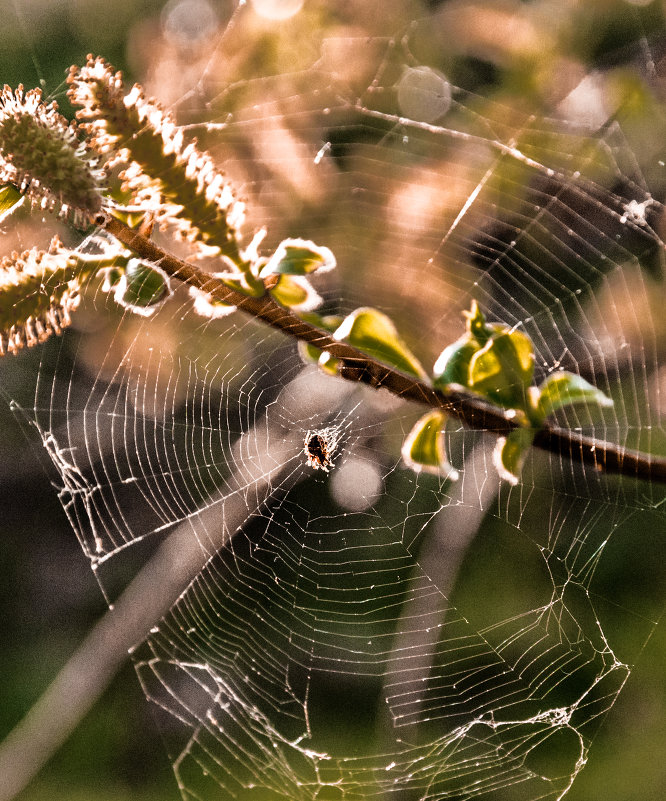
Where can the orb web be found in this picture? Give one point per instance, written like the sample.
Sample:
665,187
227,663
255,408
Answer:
372,632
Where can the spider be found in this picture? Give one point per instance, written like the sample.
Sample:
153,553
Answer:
319,448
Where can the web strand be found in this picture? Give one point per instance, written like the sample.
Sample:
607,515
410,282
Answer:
365,631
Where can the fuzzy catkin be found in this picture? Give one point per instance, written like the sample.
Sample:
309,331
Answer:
175,182
39,290
41,154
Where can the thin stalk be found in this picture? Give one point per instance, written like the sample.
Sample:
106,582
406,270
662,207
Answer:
605,457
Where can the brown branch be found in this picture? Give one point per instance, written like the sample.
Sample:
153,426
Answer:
357,366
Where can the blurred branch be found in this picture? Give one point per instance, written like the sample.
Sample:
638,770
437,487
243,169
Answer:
414,650
605,457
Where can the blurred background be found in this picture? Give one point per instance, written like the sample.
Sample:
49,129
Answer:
592,63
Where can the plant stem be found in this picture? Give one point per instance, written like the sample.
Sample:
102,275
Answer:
605,457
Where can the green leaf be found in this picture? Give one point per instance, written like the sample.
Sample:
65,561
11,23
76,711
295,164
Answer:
567,389
510,453
329,364
298,257
145,285
476,324
112,276
295,292
308,353
10,200
503,369
327,322
452,365
375,334
208,306
311,354
139,288
424,450
491,359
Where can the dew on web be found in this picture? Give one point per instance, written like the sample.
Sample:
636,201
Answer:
343,623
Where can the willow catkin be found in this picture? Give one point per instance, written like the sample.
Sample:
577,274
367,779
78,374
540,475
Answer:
39,289
41,154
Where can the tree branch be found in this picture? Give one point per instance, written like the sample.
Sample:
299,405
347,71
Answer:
357,366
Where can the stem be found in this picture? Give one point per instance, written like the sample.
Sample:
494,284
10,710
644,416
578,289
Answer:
605,457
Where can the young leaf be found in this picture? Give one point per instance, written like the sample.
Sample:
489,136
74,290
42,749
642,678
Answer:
112,276
208,306
510,453
295,292
490,359
423,450
503,369
140,287
10,200
374,333
476,324
311,354
298,257
566,389
145,285
452,365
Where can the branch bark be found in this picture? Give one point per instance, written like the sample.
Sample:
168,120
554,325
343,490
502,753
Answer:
603,456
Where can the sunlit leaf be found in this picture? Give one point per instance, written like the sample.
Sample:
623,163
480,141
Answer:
423,450
208,306
328,363
298,257
112,277
567,389
311,354
452,365
503,369
510,453
476,324
10,200
375,334
145,285
491,359
295,292
140,287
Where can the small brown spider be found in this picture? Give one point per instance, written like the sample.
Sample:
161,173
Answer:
319,448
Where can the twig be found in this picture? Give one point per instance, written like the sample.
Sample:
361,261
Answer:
605,457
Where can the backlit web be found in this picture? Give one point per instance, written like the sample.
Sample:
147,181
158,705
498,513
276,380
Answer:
372,632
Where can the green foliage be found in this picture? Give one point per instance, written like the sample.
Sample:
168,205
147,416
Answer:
424,447
314,355
10,200
452,366
295,292
374,333
298,257
510,453
143,286
563,389
493,360
497,362
503,369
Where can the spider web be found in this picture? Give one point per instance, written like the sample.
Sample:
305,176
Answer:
372,632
